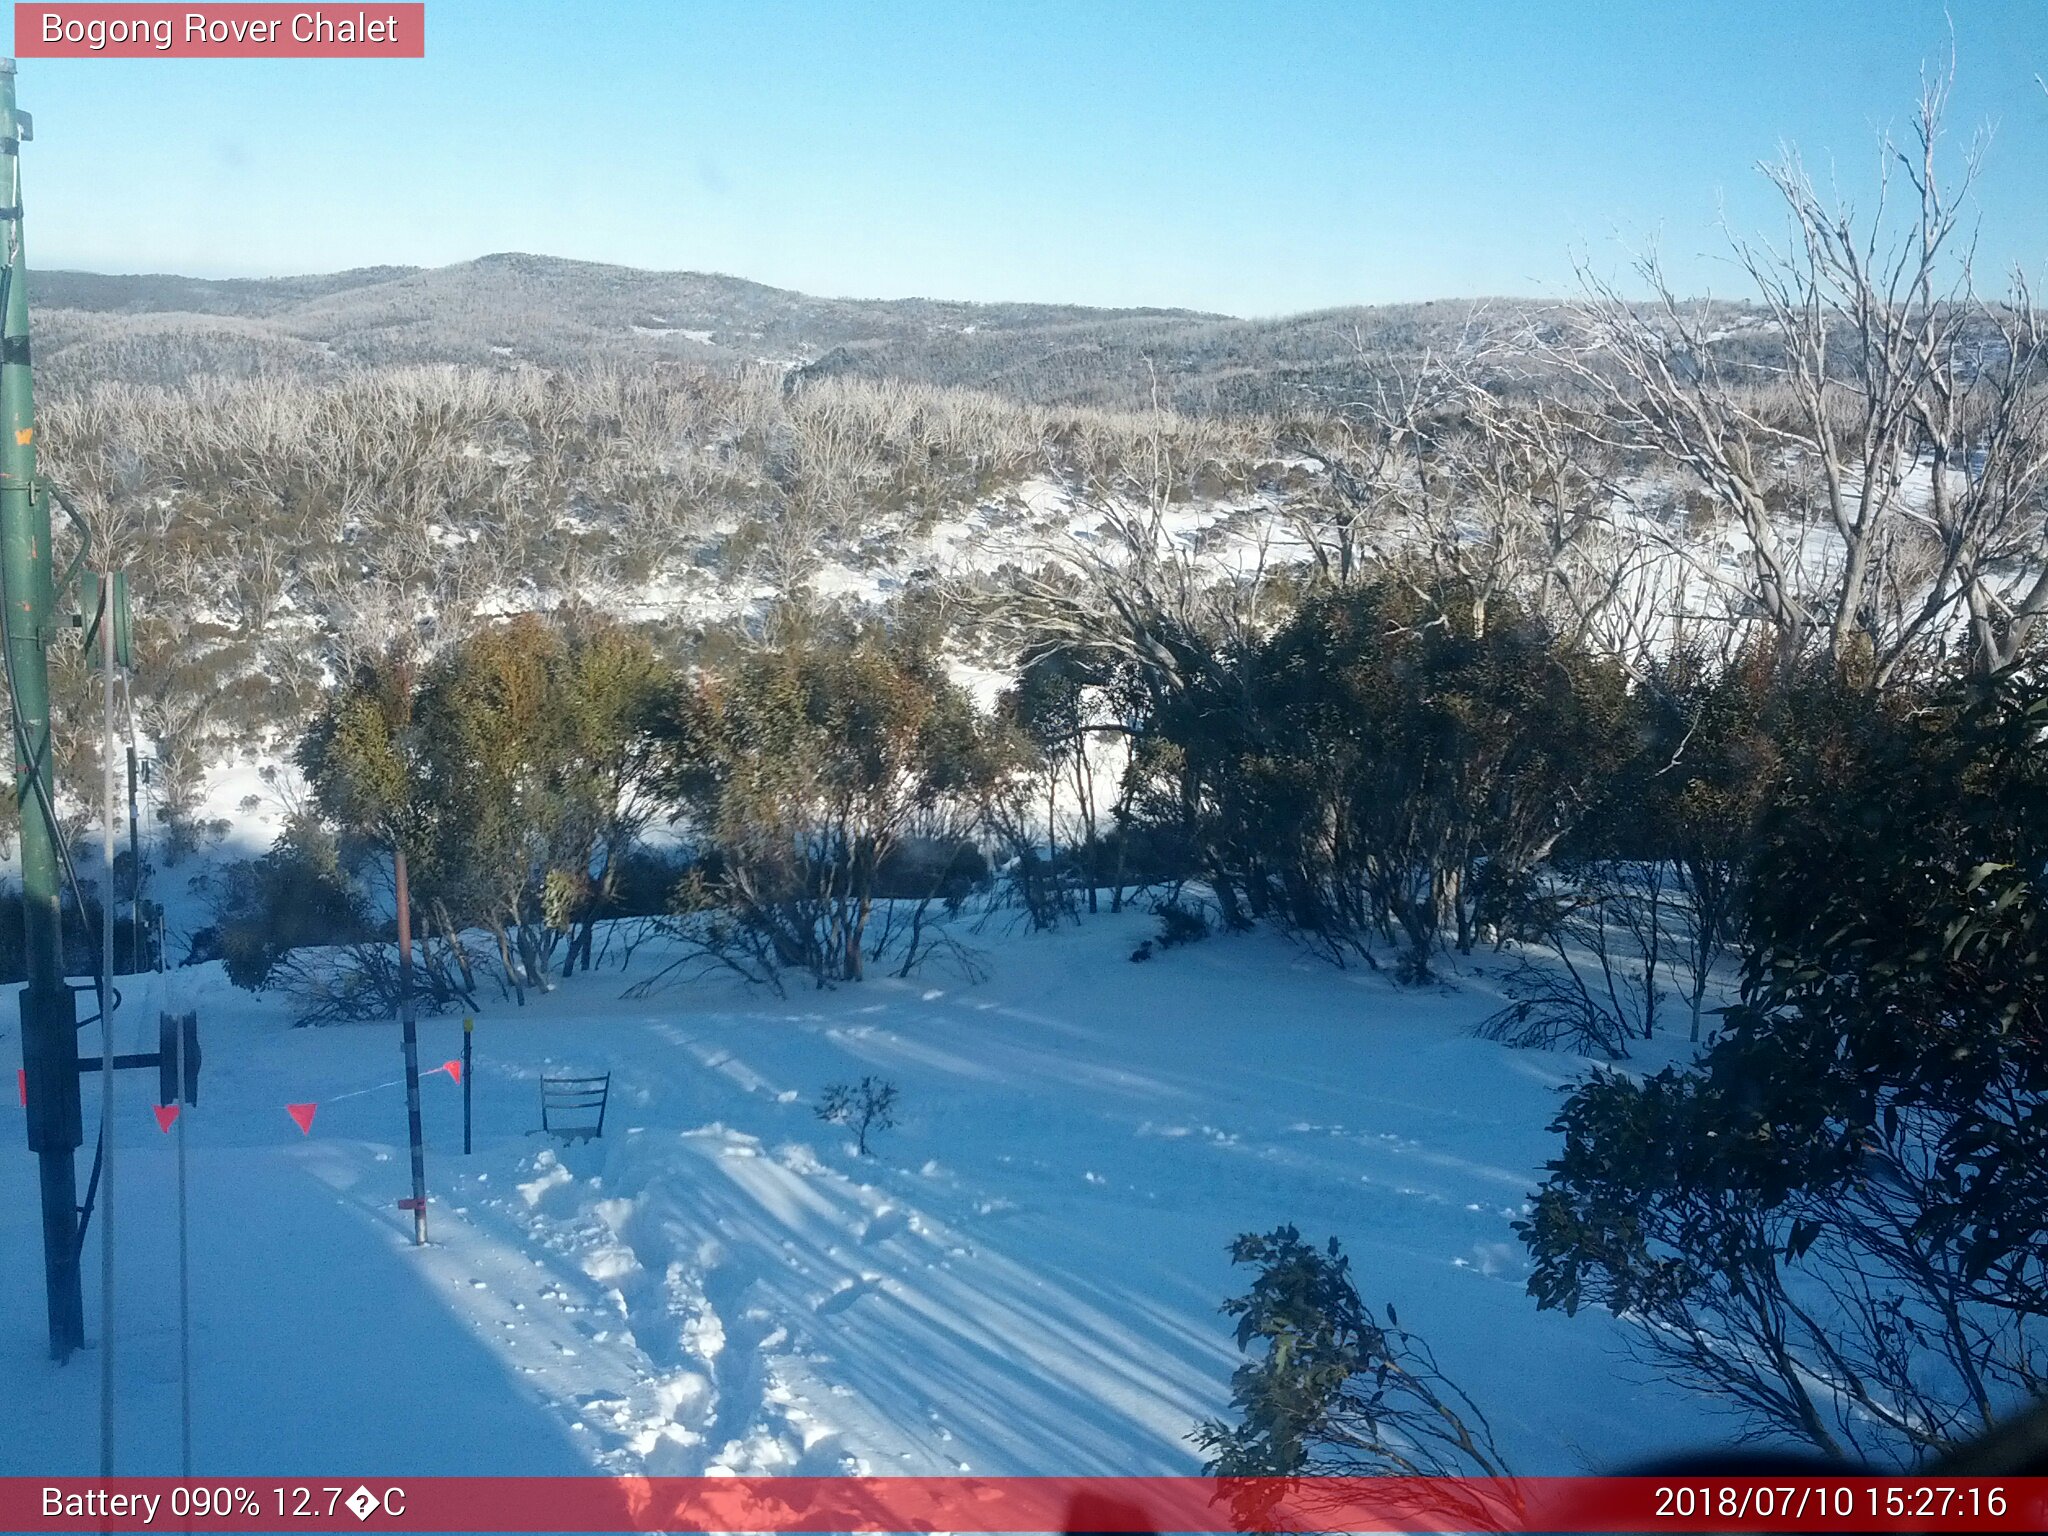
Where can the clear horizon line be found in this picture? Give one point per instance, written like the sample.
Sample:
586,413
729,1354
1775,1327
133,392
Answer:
413,268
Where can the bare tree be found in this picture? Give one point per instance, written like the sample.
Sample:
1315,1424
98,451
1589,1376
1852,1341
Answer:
1123,584
1872,428
1373,453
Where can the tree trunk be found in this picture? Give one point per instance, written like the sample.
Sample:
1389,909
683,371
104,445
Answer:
856,931
505,959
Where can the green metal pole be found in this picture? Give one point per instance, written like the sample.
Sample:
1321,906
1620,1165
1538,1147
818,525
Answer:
49,1034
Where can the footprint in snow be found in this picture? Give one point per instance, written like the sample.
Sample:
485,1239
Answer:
847,1295
886,1223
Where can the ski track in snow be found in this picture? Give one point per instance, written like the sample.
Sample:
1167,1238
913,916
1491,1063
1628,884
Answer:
1023,1278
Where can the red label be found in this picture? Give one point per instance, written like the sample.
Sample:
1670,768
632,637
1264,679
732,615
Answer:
361,31
165,1114
1817,1501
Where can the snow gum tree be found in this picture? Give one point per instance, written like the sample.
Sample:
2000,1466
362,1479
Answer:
610,690
363,759
515,768
297,895
802,769
1384,768
1064,704
489,732
361,756
1834,1222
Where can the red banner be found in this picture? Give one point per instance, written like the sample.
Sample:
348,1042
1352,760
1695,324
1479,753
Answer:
989,1504
361,31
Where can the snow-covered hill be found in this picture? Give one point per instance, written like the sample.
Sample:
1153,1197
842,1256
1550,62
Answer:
1023,1278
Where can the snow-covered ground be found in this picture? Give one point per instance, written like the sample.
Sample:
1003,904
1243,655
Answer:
1023,1278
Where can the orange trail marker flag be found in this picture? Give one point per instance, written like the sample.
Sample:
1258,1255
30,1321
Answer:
453,1069
165,1114
303,1113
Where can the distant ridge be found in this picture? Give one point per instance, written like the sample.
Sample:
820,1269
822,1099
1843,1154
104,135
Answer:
513,307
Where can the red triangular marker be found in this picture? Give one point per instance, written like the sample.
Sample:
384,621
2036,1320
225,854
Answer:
453,1068
303,1113
165,1114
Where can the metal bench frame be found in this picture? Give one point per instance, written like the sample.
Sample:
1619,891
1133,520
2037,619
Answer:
574,1093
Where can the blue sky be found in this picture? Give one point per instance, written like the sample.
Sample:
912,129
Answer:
1257,158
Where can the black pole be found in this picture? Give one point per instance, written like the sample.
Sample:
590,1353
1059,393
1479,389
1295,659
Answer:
468,1034
408,1028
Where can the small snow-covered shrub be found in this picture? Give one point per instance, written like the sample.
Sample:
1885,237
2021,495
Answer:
1179,924
868,1105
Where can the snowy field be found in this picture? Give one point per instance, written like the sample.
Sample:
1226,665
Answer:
1023,1278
